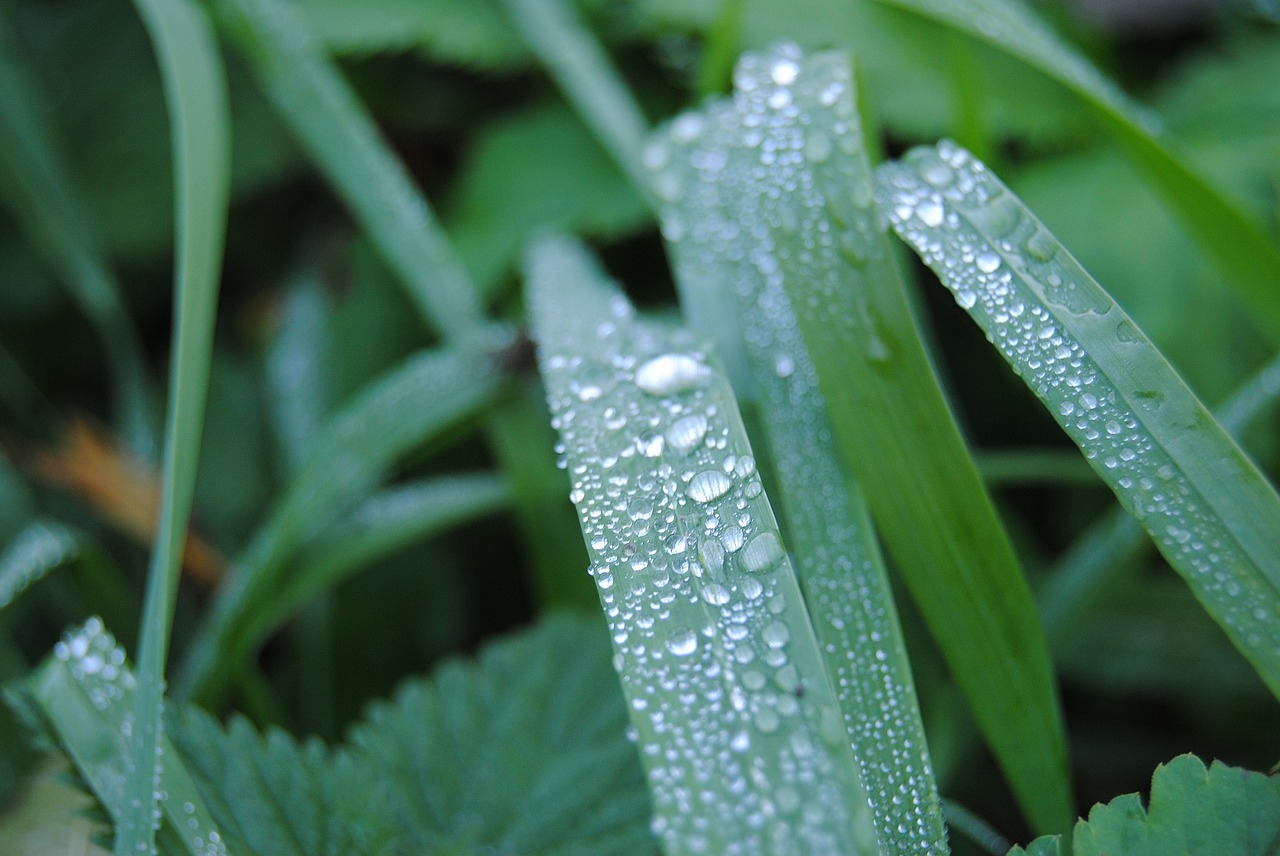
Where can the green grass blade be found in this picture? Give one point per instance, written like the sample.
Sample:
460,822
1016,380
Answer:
40,548
387,521
1242,250
85,695
735,717
339,135
45,202
565,46
814,235
1204,503
715,225
195,90
1088,567
420,400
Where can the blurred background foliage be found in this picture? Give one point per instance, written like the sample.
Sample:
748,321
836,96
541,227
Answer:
310,314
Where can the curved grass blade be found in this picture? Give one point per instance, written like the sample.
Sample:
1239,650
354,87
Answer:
1085,570
40,548
45,197
341,138
387,521
419,400
1241,249
569,51
85,695
735,717
195,90
1204,503
718,226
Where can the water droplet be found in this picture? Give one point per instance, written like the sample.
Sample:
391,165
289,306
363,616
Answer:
987,262
671,373
709,485
687,433
682,641
762,553
775,634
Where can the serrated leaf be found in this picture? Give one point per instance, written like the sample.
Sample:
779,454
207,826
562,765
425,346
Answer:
735,716
717,218
83,697
271,795
523,752
499,202
1204,503
1194,812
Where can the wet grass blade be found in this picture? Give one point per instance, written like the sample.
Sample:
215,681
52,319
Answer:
715,225
85,695
195,91
41,547
339,135
1203,502
1241,249
49,207
734,714
421,399
1085,571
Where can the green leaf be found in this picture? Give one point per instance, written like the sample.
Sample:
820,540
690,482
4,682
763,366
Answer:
39,188
387,521
1204,503
475,33
585,73
718,226
498,203
195,90
84,698
339,135
1194,812
269,794
42,547
734,714
521,752
1243,251
418,401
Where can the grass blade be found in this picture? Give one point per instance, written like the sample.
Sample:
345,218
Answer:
565,46
736,720
1242,250
813,235
85,695
44,194
414,403
339,135
1204,503
1093,561
40,548
385,522
195,91
715,226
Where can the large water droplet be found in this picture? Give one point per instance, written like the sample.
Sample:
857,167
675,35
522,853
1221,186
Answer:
671,373
709,485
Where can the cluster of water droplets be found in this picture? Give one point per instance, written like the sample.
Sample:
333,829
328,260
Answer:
34,552
96,665
731,711
743,209
1036,305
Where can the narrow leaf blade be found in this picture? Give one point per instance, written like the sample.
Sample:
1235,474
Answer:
1204,503
736,721
1237,244
718,226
